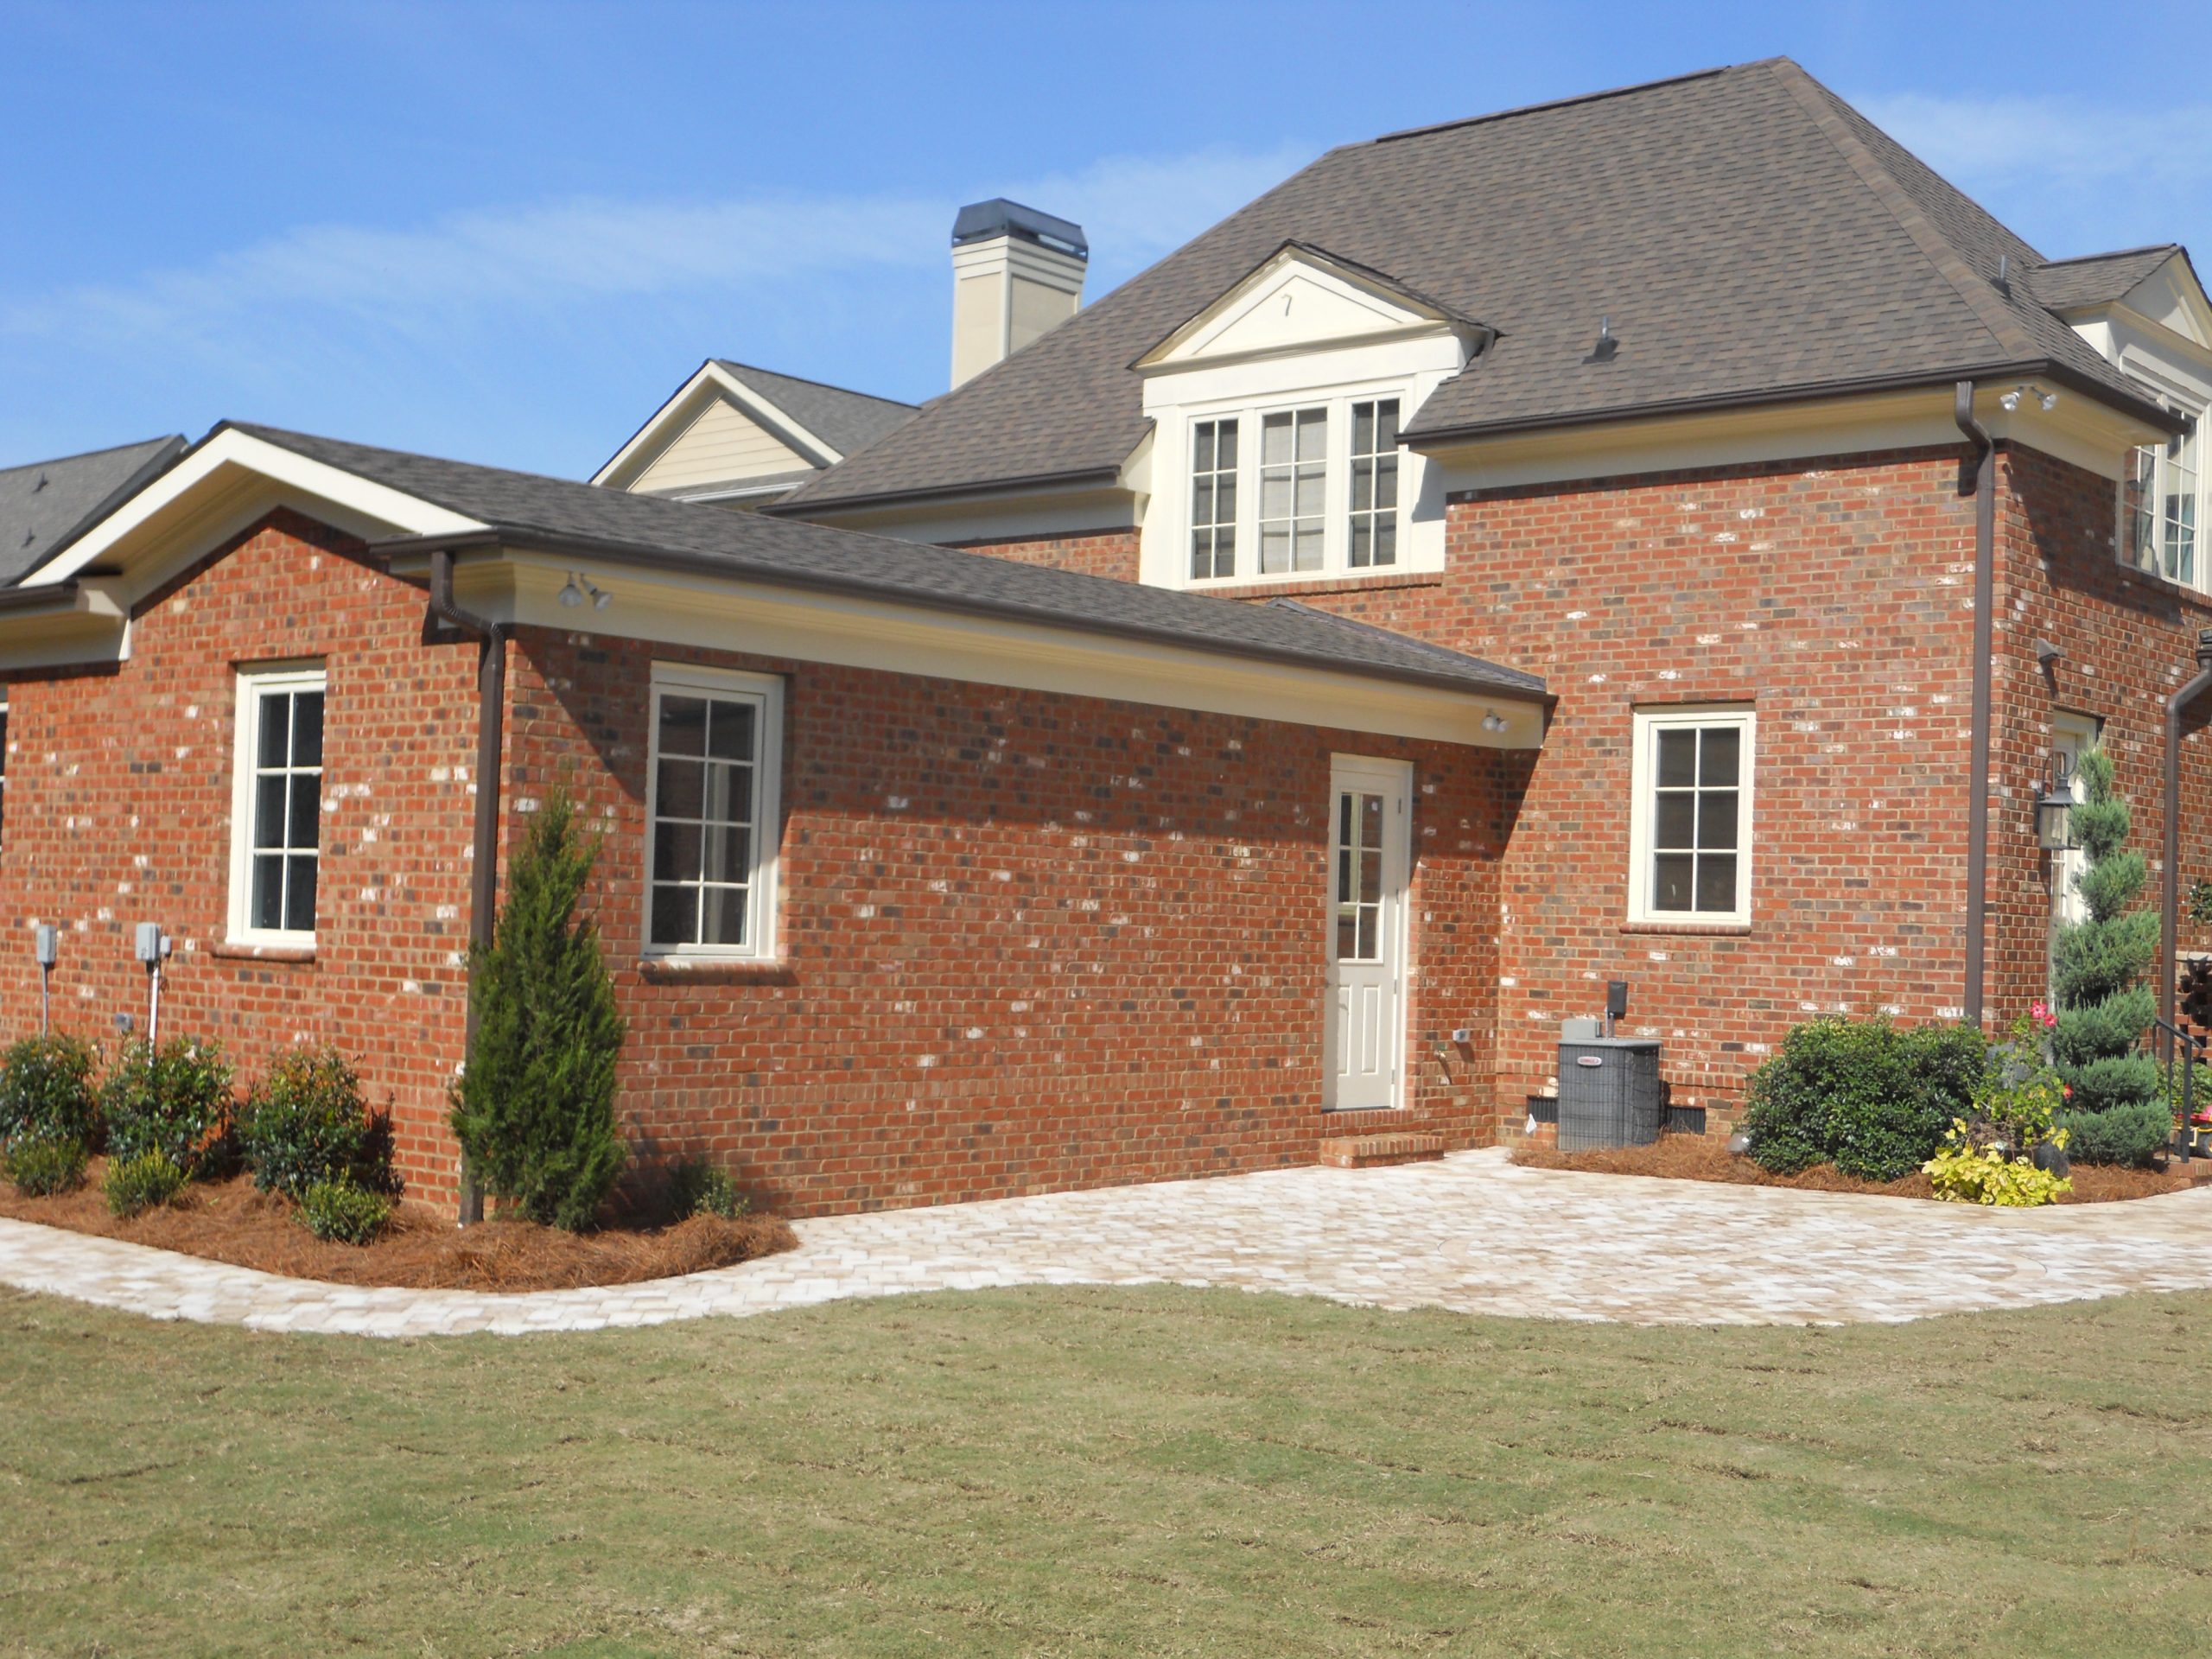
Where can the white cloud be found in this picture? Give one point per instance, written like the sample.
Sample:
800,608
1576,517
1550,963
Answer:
339,280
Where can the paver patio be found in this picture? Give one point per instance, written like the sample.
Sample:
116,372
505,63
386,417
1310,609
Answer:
1473,1233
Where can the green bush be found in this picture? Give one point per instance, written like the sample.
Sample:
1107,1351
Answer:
38,1164
174,1100
535,1107
343,1211
306,1121
144,1181
46,1090
2132,1133
699,1188
1872,1099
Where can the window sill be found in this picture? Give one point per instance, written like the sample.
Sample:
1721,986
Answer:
1690,929
717,971
235,951
2137,576
1293,587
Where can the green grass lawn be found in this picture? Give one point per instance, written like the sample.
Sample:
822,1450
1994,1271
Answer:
1112,1472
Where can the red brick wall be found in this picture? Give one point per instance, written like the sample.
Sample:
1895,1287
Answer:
1833,596
1031,940
118,811
2129,641
1094,553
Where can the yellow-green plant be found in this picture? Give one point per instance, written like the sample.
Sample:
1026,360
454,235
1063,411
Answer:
1966,1174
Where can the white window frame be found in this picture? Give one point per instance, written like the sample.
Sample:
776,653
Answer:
763,908
2164,389
253,683
1336,406
1643,784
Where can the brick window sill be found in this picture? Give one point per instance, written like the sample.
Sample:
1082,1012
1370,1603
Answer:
711,970
2150,579
1689,930
231,951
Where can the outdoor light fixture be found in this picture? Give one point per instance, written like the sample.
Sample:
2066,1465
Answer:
1492,721
573,595
2055,806
2045,401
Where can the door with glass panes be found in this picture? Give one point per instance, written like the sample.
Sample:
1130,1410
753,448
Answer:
1369,818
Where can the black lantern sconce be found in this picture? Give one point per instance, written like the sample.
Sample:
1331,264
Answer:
2055,806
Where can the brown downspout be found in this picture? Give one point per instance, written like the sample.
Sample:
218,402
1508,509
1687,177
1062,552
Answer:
1985,603
491,713
2170,878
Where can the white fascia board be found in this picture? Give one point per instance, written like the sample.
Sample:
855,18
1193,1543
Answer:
761,620
673,418
234,475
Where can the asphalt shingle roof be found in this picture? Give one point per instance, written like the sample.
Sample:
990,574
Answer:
747,546
45,505
847,421
2096,278
1749,235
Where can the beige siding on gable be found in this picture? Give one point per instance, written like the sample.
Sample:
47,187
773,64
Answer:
723,445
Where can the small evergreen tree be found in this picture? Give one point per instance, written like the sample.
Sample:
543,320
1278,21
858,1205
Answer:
2116,1111
535,1107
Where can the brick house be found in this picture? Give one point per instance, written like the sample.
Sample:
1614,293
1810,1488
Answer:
1251,710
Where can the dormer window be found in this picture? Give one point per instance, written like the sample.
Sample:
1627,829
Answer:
1293,490
1320,495
1374,483
1213,500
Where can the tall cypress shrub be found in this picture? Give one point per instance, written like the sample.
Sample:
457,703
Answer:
2117,1110
535,1107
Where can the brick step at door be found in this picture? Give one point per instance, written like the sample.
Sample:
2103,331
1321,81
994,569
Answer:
1373,1151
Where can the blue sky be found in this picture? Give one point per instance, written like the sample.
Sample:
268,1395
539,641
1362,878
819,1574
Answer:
505,232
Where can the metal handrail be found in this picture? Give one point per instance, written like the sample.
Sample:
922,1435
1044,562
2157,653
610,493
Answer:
2187,1049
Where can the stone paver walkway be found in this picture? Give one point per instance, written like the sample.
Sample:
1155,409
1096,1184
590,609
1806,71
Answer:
1472,1233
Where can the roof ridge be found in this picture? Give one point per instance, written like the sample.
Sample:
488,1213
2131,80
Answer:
2116,253
1564,103
808,380
1990,312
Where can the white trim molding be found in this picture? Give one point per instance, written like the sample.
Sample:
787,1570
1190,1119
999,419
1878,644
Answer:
1693,845
254,685
762,695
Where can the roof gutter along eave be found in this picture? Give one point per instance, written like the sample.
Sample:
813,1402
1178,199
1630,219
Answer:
2142,408
525,539
799,505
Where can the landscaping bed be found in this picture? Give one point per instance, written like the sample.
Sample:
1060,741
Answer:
1707,1158
230,1221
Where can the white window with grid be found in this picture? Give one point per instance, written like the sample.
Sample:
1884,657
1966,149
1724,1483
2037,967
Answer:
276,806
712,812
2162,500
1293,490
1373,541
1213,500
1690,815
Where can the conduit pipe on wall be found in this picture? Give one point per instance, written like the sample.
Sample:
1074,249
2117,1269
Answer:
2169,876
1984,486
491,711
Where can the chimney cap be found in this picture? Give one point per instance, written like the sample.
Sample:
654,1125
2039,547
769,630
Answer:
979,221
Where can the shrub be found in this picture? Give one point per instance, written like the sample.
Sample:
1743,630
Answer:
46,1090
174,1100
39,1165
2104,1004
344,1212
535,1107
144,1181
1869,1097
1966,1174
2134,1133
306,1121
699,1188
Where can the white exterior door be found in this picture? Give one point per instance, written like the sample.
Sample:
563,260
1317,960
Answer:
1370,822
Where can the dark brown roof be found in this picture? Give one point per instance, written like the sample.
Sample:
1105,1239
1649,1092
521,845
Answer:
48,504
2096,278
1751,236
559,513
849,421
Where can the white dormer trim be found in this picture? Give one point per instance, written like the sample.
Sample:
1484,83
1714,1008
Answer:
231,480
1298,300
673,418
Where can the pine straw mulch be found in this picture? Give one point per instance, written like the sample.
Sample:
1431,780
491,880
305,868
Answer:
228,1221
1707,1158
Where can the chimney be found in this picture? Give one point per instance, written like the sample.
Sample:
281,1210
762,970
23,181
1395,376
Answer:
1016,274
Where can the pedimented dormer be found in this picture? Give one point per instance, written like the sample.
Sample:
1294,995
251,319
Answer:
1276,409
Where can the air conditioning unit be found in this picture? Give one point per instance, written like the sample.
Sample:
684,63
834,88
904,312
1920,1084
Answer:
1609,1092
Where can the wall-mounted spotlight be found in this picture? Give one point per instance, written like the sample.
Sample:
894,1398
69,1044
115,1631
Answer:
2046,401
1492,721
573,595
